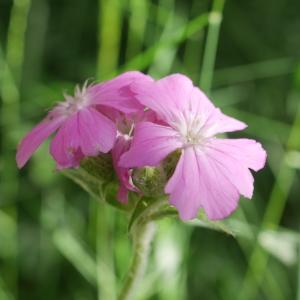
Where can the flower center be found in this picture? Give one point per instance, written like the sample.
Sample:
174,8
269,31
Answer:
75,103
125,126
191,128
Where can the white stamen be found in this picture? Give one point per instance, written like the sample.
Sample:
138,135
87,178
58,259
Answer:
75,103
190,127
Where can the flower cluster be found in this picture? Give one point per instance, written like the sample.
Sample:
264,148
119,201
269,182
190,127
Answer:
141,122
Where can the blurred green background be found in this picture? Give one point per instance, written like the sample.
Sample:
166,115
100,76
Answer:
58,243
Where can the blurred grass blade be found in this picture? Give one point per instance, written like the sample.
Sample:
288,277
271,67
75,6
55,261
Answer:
293,159
137,25
76,253
109,37
16,36
191,62
11,64
164,57
283,245
254,71
298,283
210,51
11,69
4,295
8,232
145,59
105,264
259,259
273,130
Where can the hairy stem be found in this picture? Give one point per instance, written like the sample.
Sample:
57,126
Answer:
142,235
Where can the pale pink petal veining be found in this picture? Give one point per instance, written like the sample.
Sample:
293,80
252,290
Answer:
198,183
65,147
247,152
219,197
97,132
213,120
183,186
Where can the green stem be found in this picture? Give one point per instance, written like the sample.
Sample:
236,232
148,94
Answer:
142,235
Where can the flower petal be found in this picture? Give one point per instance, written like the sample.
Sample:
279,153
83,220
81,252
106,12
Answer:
221,123
151,144
97,132
214,120
184,186
166,96
117,94
65,146
233,169
85,133
246,152
122,194
35,137
196,183
122,145
219,197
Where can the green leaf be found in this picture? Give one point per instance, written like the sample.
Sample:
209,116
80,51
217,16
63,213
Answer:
203,221
89,183
99,189
281,244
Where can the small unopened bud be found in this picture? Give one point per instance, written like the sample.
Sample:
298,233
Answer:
169,164
99,166
151,181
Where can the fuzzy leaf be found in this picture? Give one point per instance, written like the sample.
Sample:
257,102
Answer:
203,221
89,183
99,189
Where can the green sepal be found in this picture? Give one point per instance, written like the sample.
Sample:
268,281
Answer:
144,209
150,181
100,167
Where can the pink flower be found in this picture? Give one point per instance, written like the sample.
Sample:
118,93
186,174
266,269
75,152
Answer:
124,174
212,172
126,124
83,130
